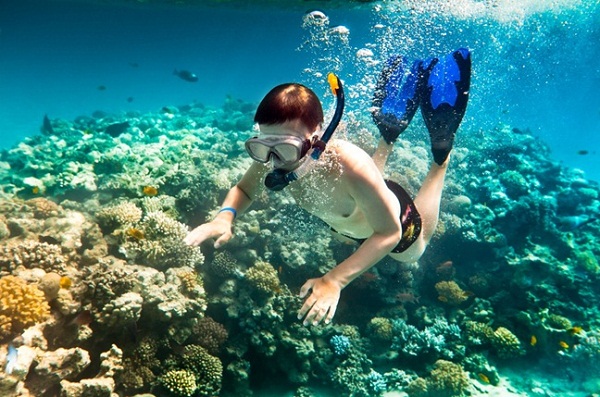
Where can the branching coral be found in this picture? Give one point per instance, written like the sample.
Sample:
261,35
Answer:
180,382
122,214
224,265
33,254
21,305
440,340
209,334
208,369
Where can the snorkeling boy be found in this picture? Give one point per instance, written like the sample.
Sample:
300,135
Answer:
345,187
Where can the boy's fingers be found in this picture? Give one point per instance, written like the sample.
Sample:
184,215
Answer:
222,240
305,288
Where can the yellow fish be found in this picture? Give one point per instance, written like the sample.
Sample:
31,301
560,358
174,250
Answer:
563,344
150,191
135,233
533,340
484,378
575,330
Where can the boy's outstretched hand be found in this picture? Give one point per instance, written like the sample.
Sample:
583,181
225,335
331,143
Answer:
320,305
218,229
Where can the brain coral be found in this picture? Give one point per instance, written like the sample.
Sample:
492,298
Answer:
450,293
21,305
381,328
507,345
447,379
209,334
263,277
180,382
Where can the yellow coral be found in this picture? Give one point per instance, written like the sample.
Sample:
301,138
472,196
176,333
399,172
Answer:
21,305
507,345
381,328
263,277
450,293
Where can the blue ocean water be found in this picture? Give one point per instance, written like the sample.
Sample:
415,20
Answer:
535,63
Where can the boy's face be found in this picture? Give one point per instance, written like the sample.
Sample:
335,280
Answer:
284,153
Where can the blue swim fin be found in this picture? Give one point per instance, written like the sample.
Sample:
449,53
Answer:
396,97
444,99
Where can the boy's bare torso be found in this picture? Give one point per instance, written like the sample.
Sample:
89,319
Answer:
325,193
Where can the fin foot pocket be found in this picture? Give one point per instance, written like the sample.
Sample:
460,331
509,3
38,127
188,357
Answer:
396,97
445,97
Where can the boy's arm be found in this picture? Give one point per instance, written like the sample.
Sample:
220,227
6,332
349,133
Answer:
239,198
381,209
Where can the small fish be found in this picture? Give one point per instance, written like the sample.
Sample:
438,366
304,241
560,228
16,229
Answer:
571,223
407,297
563,344
35,190
575,330
186,75
117,129
583,152
134,64
135,233
130,99
533,340
65,282
11,359
484,378
48,239
47,126
101,88
82,318
149,191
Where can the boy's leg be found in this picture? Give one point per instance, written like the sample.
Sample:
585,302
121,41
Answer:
381,154
429,197
443,106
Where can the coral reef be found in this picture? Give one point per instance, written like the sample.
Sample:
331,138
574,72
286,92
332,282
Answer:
100,296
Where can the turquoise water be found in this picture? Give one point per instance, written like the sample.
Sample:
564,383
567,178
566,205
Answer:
535,63
506,296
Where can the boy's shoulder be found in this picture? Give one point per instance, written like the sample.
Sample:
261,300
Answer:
348,152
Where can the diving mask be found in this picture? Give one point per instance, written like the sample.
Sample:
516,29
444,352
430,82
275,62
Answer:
282,149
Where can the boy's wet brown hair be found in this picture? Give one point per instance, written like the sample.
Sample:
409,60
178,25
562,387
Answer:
288,102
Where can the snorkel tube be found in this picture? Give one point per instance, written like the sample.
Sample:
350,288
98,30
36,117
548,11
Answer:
278,179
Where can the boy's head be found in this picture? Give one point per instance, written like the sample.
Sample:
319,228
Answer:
288,102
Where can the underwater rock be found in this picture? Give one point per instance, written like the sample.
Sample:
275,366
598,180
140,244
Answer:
54,366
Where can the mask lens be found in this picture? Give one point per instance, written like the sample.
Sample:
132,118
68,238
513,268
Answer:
287,153
258,151
286,149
